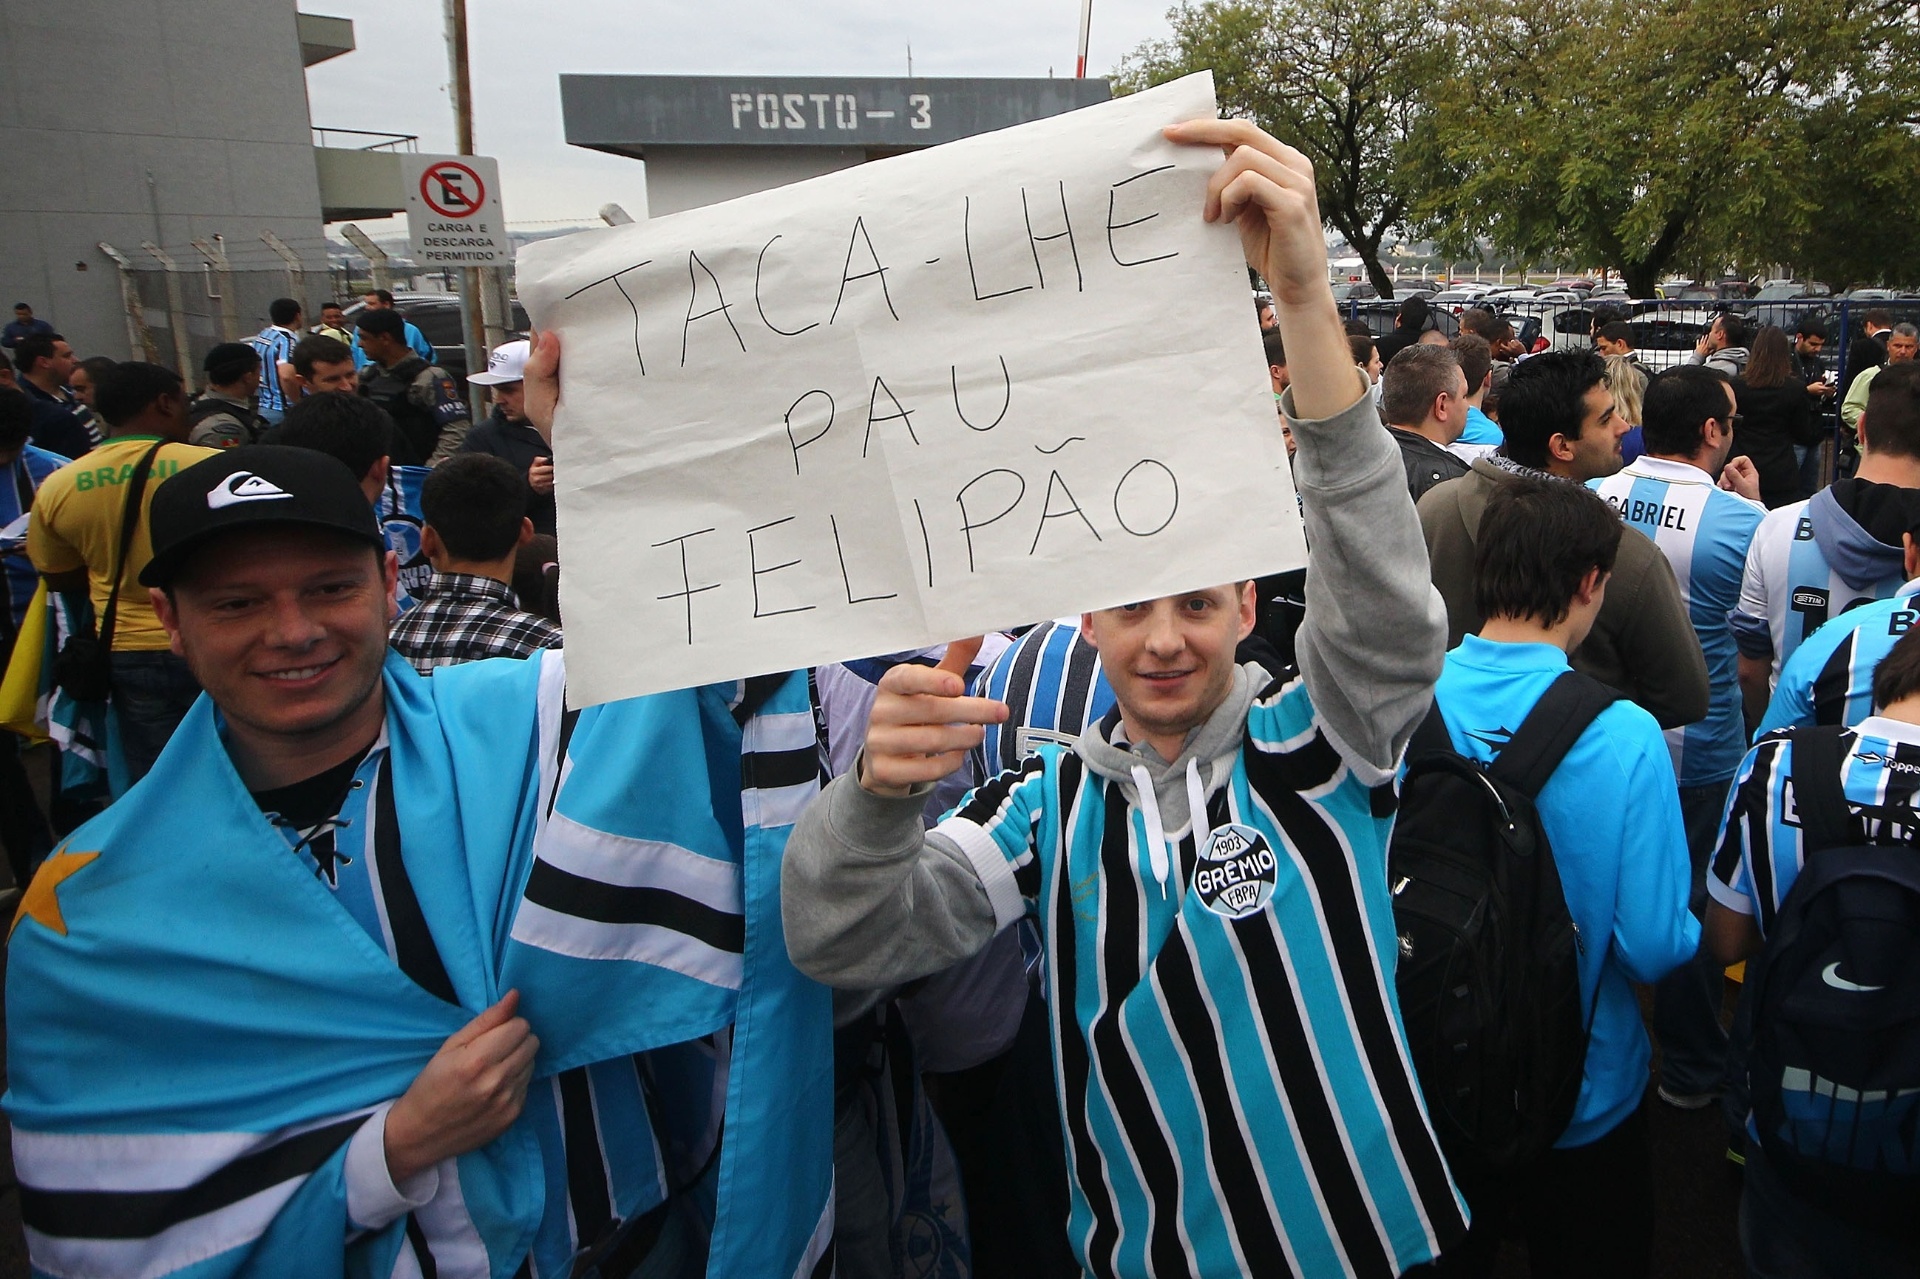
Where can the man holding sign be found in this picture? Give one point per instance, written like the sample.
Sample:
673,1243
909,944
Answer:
1206,864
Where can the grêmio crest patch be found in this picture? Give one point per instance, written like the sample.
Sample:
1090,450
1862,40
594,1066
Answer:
1236,873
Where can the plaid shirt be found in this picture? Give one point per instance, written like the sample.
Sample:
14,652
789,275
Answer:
463,618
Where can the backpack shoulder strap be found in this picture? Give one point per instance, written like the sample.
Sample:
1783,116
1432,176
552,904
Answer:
1818,796
1430,734
1555,723
130,515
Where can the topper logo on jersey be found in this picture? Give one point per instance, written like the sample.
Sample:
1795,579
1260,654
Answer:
1236,872
243,486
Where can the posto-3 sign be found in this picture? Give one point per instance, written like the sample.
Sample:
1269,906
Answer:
453,211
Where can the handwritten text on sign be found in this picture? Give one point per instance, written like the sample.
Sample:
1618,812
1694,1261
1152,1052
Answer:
1003,379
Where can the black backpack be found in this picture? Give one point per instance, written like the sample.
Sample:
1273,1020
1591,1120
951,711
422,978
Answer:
1834,1065
1488,974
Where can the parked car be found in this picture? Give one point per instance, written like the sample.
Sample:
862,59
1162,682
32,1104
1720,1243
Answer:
1454,301
438,317
1379,315
1791,291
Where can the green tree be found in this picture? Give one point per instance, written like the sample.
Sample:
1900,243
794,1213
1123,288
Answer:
1342,80
1866,165
1654,135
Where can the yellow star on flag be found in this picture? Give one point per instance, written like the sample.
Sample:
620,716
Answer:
42,900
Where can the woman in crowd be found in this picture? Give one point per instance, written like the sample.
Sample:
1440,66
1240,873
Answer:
1775,414
1628,385
1366,354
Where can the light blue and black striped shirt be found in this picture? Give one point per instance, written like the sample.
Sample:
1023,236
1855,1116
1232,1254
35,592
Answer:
1050,679
1231,1070
275,345
1760,853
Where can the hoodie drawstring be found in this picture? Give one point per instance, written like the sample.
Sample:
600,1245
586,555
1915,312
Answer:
1197,806
1158,858
1156,833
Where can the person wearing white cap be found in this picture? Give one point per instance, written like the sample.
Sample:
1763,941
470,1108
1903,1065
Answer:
507,433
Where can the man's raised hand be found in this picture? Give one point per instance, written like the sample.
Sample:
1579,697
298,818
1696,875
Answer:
543,382
470,1092
1266,189
923,724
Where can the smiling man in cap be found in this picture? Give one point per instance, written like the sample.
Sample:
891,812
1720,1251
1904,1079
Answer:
308,989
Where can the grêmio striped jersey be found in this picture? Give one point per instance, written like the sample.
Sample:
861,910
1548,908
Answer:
1230,1067
1829,679
1704,532
1050,679
1760,855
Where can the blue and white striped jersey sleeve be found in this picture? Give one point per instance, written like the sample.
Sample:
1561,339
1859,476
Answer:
1792,702
1751,620
997,827
1829,678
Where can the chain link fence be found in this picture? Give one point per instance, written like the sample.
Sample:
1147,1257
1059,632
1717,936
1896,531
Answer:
175,317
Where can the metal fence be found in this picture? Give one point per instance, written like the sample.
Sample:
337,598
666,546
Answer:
176,313
1664,332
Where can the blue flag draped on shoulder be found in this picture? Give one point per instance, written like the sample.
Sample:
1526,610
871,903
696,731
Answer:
197,1028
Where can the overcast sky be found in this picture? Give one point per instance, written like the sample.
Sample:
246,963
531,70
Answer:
396,79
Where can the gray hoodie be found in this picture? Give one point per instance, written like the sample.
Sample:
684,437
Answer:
869,898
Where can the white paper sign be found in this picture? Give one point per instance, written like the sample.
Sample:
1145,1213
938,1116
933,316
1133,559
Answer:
1000,380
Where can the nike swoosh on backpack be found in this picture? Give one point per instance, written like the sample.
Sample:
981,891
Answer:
1831,975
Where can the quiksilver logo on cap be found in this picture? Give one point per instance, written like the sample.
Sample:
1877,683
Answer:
244,486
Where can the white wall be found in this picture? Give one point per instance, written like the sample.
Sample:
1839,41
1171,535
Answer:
689,177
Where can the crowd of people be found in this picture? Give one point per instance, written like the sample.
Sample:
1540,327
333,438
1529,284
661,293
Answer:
1284,926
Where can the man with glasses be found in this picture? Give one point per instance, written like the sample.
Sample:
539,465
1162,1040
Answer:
1903,343
1701,509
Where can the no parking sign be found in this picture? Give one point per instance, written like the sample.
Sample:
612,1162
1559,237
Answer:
453,211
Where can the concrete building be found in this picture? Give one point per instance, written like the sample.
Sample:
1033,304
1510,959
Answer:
711,138
164,123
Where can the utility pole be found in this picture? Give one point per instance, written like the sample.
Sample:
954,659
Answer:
473,325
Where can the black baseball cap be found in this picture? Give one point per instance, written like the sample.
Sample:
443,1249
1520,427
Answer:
251,486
